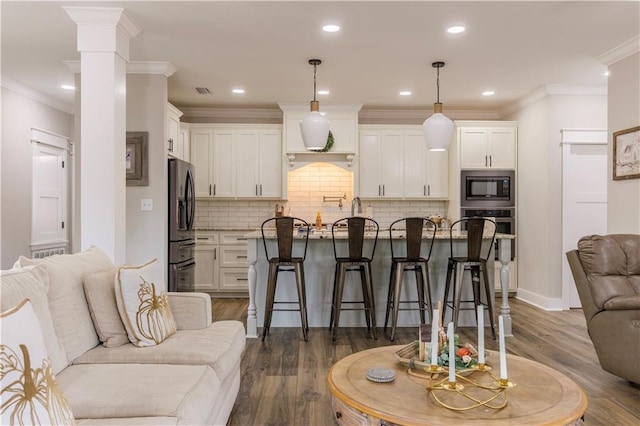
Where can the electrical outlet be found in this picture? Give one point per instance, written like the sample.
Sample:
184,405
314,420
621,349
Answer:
146,204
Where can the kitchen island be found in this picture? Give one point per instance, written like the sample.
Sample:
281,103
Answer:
319,270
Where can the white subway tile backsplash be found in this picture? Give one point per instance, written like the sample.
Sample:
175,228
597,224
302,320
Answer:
306,188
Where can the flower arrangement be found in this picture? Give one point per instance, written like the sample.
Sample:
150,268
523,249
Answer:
466,354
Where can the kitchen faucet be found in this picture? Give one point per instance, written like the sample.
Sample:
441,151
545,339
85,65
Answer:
353,205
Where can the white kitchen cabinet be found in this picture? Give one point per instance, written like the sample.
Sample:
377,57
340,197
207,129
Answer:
202,159
487,147
395,163
173,130
237,161
206,256
221,263
260,163
381,164
426,173
184,142
224,164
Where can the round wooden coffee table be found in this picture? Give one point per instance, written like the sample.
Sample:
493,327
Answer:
542,395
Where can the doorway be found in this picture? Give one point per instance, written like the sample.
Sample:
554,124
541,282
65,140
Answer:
584,197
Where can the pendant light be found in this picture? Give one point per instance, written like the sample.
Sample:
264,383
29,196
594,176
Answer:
438,129
315,126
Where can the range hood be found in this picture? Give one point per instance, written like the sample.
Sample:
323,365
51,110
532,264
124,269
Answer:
343,119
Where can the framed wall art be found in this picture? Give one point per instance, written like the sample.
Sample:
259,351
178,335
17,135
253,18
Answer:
626,154
137,158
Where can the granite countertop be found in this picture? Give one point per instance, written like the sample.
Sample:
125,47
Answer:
325,234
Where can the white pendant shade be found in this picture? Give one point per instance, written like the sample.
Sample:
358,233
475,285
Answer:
438,131
315,131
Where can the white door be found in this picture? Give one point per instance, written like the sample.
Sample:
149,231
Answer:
584,194
49,203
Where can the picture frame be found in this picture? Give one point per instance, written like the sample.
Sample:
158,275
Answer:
137,158
626,154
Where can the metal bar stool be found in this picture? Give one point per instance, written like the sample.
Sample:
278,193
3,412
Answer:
285,262
354,261
411,230
476,230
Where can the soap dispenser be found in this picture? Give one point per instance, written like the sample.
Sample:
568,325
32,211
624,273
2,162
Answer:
318,221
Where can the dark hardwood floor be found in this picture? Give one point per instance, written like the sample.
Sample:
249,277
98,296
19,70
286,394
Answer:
283,378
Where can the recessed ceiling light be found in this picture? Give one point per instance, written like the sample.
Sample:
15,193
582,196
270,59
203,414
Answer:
323,92
238,91
405,93
67,87
456,29
331,28
607,73
488,93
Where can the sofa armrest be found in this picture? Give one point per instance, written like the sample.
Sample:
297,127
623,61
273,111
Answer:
623,303
192,311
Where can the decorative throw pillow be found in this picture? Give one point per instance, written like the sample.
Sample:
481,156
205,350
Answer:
32,282
30,393
69,310
143,304
99,288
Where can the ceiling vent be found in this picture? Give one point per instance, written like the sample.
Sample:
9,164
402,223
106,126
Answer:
203,90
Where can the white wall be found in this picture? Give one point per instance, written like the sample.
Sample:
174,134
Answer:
19,114
623,196
539,203
147,230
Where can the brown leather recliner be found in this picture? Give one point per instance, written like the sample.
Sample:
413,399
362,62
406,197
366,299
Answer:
606,270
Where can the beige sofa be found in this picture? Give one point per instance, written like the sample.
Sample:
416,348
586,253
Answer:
606,270
191,378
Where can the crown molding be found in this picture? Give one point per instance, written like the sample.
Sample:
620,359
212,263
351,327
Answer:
621,51
244,113
36,95
115,16
421,115
288,107
135,67
151,67
552,89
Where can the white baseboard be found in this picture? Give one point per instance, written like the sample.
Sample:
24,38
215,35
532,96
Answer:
542,302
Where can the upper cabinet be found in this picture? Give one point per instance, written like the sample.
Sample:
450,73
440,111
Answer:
394,162
237,161
175,146
491,147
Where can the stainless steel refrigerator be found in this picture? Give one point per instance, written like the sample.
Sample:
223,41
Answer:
182,209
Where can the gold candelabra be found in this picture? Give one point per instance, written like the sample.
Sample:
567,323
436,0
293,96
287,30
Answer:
481,387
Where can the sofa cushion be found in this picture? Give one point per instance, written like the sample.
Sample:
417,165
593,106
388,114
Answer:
102,391
30,392
143,304
219,346
33,283
69,310
99,288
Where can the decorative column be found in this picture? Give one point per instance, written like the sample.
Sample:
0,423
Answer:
504,254
103,43
252,258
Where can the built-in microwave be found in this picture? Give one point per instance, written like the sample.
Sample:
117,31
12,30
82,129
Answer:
487,189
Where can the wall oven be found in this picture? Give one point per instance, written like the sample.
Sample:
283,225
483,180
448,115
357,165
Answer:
488,189
505,223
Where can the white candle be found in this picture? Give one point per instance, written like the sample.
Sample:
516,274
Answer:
480,334
503,353
452,354
434,337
